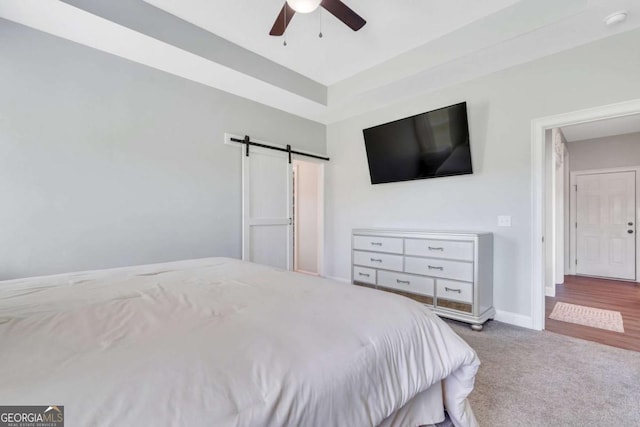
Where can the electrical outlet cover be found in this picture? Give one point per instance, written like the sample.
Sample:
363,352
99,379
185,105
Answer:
504,221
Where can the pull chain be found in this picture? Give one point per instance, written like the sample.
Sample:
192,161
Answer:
284,33
320,12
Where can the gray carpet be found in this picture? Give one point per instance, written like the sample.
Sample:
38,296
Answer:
531,378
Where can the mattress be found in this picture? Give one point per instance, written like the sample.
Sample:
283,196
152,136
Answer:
223,342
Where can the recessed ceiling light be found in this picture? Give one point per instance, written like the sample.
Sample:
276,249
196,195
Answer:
615,18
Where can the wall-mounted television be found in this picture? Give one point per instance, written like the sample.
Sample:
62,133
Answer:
427,145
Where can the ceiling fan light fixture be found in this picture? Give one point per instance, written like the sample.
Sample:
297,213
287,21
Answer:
304,6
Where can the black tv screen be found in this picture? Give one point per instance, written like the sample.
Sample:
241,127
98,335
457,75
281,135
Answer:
426,145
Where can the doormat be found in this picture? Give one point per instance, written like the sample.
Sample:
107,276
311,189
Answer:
588,316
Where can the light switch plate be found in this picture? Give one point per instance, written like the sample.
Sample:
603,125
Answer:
504,221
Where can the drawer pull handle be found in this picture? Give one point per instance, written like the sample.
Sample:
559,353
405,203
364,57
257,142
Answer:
376,243
406,282
375,260
433,248
431,267
364,274
453,290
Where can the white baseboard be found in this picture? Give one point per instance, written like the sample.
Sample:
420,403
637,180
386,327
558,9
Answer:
309,273
514,319
550,291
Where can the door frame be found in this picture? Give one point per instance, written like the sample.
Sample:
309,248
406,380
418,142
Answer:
573,212
539,194
321,216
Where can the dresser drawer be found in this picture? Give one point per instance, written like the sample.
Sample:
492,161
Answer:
378,260
365,275
448,249
455,291
378,244
406,282
456,270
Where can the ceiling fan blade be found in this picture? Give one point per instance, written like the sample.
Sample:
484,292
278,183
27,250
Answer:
344,13
280,25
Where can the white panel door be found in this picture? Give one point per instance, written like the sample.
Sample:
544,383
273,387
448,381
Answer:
267,236
606,239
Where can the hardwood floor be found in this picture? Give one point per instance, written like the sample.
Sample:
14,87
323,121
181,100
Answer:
599,293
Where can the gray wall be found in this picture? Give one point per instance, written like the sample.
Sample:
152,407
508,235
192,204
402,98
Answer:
106,163
603,153
501,107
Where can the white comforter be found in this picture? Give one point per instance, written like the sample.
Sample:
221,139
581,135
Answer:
221,342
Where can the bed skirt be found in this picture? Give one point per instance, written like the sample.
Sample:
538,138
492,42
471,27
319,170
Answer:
424,409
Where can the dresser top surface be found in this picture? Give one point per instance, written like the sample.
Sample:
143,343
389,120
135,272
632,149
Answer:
416,233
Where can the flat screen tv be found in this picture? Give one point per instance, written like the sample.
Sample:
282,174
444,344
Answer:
427,145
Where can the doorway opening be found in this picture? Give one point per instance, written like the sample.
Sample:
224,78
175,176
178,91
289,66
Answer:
308,216
586,204
596,179
272,198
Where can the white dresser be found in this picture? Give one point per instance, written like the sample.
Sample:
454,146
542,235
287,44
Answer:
450,272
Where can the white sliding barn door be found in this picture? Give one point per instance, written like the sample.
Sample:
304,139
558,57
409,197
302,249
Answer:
606,240
267,236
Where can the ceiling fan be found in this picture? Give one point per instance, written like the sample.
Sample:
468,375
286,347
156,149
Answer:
336,7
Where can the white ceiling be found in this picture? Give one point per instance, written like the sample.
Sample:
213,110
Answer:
602,128
516,34
393,27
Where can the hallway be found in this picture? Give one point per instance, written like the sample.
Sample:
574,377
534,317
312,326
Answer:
599,293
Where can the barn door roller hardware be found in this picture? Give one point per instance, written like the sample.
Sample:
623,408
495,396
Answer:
247,141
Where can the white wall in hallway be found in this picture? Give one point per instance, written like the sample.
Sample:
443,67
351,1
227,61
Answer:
602,153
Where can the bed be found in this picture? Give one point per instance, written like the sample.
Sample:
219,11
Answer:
223,342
